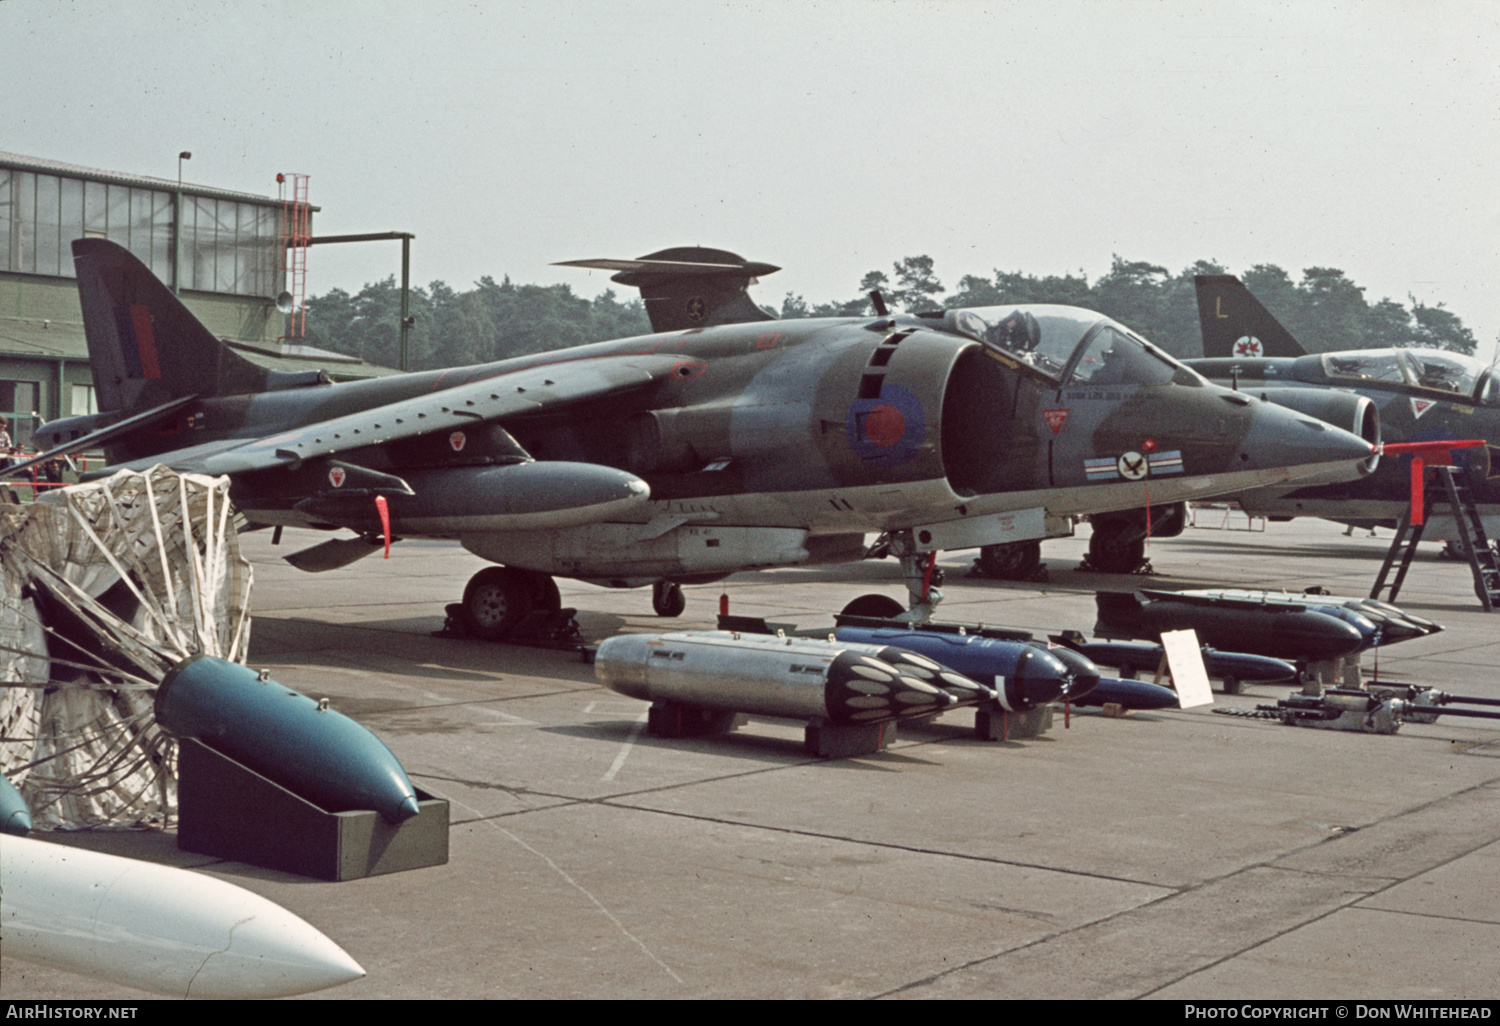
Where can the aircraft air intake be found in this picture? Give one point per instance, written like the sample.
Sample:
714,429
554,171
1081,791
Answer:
1354,413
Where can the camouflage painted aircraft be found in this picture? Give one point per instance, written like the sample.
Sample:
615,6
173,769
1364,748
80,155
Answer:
1422,395
724,441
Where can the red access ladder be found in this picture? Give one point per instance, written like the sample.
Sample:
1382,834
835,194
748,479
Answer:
296,230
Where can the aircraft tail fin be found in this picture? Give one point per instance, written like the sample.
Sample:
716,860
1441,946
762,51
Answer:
689,286
145,346
1235,324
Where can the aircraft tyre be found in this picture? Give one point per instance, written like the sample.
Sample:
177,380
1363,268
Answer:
1011,561
1115,551
882,606
667,598
544,593
1455,551
1232,685
496,599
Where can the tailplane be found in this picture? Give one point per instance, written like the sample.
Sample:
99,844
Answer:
1235,324
146,348
689,286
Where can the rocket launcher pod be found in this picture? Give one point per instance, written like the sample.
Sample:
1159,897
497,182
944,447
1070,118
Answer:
769,676
158,928
306,747
1023,675
1281,630
15,814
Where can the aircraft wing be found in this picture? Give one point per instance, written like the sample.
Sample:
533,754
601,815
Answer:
450,409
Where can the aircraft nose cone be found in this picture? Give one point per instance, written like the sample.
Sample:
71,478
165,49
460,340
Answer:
1305,446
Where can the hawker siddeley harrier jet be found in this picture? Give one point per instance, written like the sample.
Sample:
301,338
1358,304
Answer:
724,441
1426,396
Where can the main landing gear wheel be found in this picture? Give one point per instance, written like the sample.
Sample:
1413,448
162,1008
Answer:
1011,561
496,599
882,606
667,598
1114,550
544,593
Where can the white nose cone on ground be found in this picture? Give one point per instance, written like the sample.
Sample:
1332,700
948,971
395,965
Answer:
165,930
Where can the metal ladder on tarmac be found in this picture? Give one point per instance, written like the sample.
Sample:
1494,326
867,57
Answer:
1470,534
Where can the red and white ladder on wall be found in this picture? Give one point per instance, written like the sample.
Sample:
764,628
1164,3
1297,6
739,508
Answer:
296,230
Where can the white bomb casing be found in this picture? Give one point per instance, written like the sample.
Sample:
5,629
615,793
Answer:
161,929
771,676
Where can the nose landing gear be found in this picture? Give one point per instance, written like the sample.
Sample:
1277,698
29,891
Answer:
919,568
667,598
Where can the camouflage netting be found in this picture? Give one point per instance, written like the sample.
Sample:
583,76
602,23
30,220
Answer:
103,587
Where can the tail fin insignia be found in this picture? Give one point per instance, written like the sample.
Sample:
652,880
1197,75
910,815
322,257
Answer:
145,347
137,341
1235,324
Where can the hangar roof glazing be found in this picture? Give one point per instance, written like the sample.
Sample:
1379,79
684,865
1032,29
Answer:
57,167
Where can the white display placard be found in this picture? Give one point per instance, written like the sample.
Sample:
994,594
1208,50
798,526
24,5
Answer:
1185,662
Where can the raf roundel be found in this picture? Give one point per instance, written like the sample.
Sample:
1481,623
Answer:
886,431
884,425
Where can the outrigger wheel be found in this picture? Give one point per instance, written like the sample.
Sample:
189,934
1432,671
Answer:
1011,561
497,598
1117,546
667,598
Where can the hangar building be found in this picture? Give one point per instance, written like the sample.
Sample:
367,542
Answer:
222,251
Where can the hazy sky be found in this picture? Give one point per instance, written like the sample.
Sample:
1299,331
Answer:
830,138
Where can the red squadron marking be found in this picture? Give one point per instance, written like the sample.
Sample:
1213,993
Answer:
1055,420
145,341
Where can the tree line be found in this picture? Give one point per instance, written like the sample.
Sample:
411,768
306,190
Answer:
1324,310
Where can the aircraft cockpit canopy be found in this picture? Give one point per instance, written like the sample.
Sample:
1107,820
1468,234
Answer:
1071,345
1435,370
